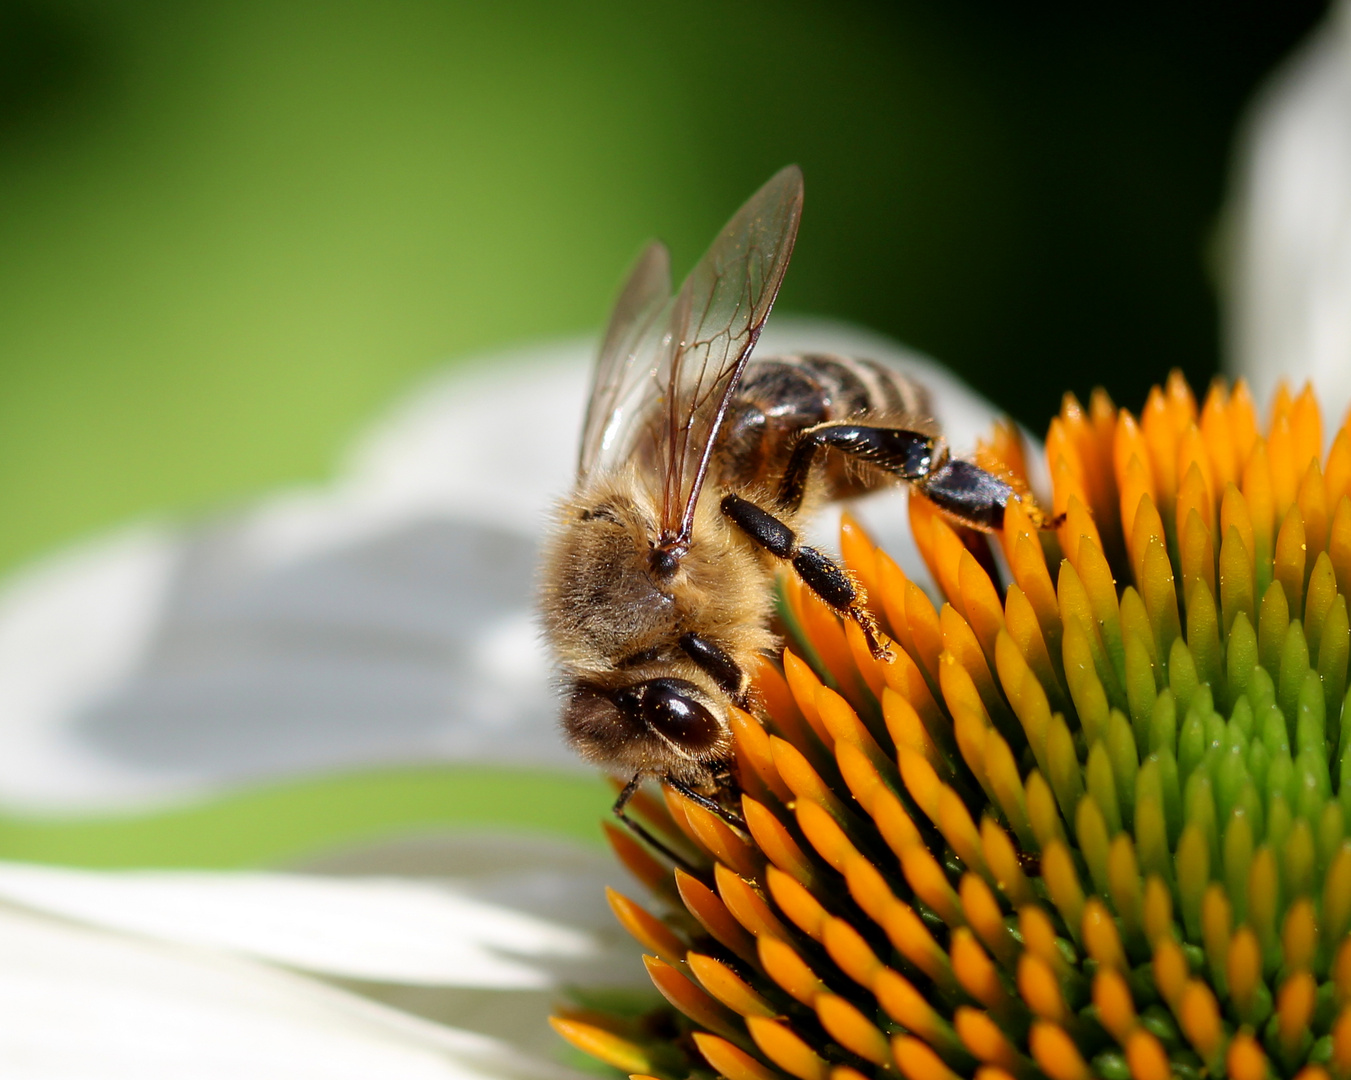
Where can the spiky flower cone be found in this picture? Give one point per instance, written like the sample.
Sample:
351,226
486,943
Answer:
1092,822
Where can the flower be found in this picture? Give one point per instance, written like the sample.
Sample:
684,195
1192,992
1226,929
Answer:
250,690
1094,819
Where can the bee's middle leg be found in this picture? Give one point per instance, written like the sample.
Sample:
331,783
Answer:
818,571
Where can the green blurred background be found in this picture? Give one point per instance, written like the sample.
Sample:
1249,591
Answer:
229,232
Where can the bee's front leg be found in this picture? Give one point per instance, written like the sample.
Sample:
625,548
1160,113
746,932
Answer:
620,810
818,571
715,805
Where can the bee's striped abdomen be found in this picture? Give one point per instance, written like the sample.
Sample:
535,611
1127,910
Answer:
781,396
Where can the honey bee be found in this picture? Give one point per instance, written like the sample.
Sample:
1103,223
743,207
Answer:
698,469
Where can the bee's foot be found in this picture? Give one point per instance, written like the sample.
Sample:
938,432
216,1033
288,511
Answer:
1038,516
879,645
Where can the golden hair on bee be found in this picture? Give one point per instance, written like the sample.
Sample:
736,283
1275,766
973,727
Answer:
616,623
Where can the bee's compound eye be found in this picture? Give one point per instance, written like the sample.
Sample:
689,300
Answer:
671,707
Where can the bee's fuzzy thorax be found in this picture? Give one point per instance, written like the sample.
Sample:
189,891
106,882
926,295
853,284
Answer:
1093,821
601,601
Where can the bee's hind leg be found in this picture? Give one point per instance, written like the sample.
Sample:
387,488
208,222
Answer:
976,498
818,571
963,490
1041,521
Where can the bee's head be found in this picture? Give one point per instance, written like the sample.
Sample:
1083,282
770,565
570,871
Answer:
662,726
601,600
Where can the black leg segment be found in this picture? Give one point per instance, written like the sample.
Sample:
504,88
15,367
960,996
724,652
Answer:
728,815
818,572
909,455
620,810
713,660
824,578
761,526
968,493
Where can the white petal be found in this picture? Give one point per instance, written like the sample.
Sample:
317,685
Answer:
558,881
70,629
382,619
1289,308
80,1003
379,929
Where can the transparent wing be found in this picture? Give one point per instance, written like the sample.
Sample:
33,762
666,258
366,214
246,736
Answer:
623,383
712,327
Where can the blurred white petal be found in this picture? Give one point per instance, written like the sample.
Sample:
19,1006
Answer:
383,929
384,618
1289,303
83,1003
487,911
476,931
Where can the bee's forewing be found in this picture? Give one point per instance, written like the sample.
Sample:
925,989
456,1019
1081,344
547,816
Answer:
624,380
712,328
667,367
